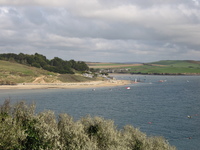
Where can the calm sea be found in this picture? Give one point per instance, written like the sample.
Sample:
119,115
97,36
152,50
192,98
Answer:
157,108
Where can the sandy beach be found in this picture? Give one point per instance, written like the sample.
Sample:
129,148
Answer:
91,84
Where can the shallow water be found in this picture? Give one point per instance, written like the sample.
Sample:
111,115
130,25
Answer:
157,108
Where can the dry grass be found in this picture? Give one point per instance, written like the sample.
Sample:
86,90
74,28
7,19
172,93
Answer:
13,73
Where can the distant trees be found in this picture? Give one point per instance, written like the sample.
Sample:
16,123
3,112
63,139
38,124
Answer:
55,65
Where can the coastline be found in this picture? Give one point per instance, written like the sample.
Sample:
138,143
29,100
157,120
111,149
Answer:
158,74
74,85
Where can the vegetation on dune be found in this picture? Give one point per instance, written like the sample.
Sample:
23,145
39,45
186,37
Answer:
21,128
75,78
12,73
23,68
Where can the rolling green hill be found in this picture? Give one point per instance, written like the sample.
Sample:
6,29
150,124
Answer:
165,67
179,63
12,73
172,67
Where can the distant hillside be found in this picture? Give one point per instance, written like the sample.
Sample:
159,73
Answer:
164,67
54,65
111,65
178,63
171,67
12,73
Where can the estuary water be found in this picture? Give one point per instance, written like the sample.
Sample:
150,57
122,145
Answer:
167,106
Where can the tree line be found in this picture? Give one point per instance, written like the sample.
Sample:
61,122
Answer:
40,61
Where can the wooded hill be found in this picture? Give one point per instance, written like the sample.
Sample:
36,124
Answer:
12,73
54,65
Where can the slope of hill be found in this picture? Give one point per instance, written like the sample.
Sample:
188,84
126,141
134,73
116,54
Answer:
172,67
12,73
166,67
111,65
40,61
178,63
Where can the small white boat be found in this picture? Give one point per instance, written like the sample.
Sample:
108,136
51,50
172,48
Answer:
128,88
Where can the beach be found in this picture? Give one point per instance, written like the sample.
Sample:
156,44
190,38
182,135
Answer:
91,84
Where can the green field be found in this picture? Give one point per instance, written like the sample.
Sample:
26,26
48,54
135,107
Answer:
168,67
164,70
160,67
179,63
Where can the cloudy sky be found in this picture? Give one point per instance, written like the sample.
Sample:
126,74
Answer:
102,30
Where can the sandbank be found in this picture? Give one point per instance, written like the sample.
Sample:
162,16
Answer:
75,85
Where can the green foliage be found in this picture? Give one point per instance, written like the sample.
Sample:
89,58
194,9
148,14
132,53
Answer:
11,133
22,129
37,60
103,133
72,135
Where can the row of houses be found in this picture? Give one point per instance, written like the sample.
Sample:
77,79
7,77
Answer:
91,75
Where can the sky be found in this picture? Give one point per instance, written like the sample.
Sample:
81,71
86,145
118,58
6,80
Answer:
102,30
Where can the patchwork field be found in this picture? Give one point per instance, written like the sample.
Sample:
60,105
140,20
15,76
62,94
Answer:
160,67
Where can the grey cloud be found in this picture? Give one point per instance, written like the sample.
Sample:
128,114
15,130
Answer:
35,15
102,30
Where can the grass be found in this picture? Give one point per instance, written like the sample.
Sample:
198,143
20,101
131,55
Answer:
73,78
169,67
17,73
19,69
166,69
179,63
160,67
21,128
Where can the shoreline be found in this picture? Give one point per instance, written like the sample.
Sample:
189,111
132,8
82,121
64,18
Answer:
74,85
191,74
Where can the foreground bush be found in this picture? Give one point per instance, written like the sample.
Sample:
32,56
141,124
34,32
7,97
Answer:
22,129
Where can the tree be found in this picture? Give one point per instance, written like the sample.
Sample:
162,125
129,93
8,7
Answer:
37,60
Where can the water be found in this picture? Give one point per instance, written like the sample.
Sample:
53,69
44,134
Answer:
157,108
